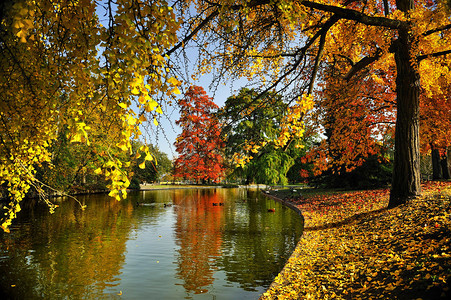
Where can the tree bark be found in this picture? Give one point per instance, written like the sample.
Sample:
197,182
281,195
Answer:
406,169
436,167
444,165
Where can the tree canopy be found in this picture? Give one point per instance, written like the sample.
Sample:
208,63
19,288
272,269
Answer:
64,68
288,44
200,144
251,127
95,71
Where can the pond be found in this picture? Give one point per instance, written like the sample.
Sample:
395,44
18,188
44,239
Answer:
178,244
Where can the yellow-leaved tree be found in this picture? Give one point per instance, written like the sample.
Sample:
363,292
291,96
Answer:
91,70
287,44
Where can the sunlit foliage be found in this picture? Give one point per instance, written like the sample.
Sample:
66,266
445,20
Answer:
65,67
200,143
287,44
253,125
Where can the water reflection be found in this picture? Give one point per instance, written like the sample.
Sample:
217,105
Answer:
198,233
219,243
73,252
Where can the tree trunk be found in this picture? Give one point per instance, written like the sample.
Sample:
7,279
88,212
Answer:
406,169
436,167
444,165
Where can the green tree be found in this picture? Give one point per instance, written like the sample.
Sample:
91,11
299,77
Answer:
251,118
151,171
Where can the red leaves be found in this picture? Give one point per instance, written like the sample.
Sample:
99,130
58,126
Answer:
356,115
200,143
348,252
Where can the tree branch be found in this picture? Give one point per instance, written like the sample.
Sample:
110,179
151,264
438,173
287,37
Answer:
350,14
301,52
386,8
322,41
194,32
436,54
364,62
437,30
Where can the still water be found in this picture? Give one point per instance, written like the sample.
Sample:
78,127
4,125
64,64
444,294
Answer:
179,244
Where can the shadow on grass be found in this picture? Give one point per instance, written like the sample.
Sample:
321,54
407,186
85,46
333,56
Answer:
352,219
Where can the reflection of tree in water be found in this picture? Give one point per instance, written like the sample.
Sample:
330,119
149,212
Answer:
257,243
198,232
70,253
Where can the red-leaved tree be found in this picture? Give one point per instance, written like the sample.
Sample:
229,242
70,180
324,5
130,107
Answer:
199,144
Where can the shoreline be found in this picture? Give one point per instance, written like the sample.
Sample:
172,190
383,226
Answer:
353,247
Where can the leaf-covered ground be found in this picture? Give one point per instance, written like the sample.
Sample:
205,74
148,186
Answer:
355,248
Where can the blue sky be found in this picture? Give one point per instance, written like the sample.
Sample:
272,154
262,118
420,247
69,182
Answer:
169,130
164,135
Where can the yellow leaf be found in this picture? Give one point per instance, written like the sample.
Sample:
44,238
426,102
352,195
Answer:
155,122
135,91
142,165
76,138
176,91
150,105
142,99
122,146
98,171
123,105
142,118
173,81
131,121
21,34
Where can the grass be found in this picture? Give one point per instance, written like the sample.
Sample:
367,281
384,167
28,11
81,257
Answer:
355,248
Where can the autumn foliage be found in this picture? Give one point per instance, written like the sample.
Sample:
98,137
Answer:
355,248
199,144
287,45
66,70
101,69
357,116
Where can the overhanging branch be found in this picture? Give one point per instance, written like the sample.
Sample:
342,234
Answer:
194,32
350,14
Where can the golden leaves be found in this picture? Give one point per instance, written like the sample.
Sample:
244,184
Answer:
70,75
378,254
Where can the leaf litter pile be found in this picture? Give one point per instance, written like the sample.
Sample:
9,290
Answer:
353,247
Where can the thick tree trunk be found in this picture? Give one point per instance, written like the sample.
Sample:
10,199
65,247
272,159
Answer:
406,171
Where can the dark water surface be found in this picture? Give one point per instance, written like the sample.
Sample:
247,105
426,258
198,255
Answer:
193,247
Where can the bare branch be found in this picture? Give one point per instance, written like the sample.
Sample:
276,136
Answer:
194,32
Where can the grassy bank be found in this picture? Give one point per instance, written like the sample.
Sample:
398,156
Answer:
184,186
355,248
